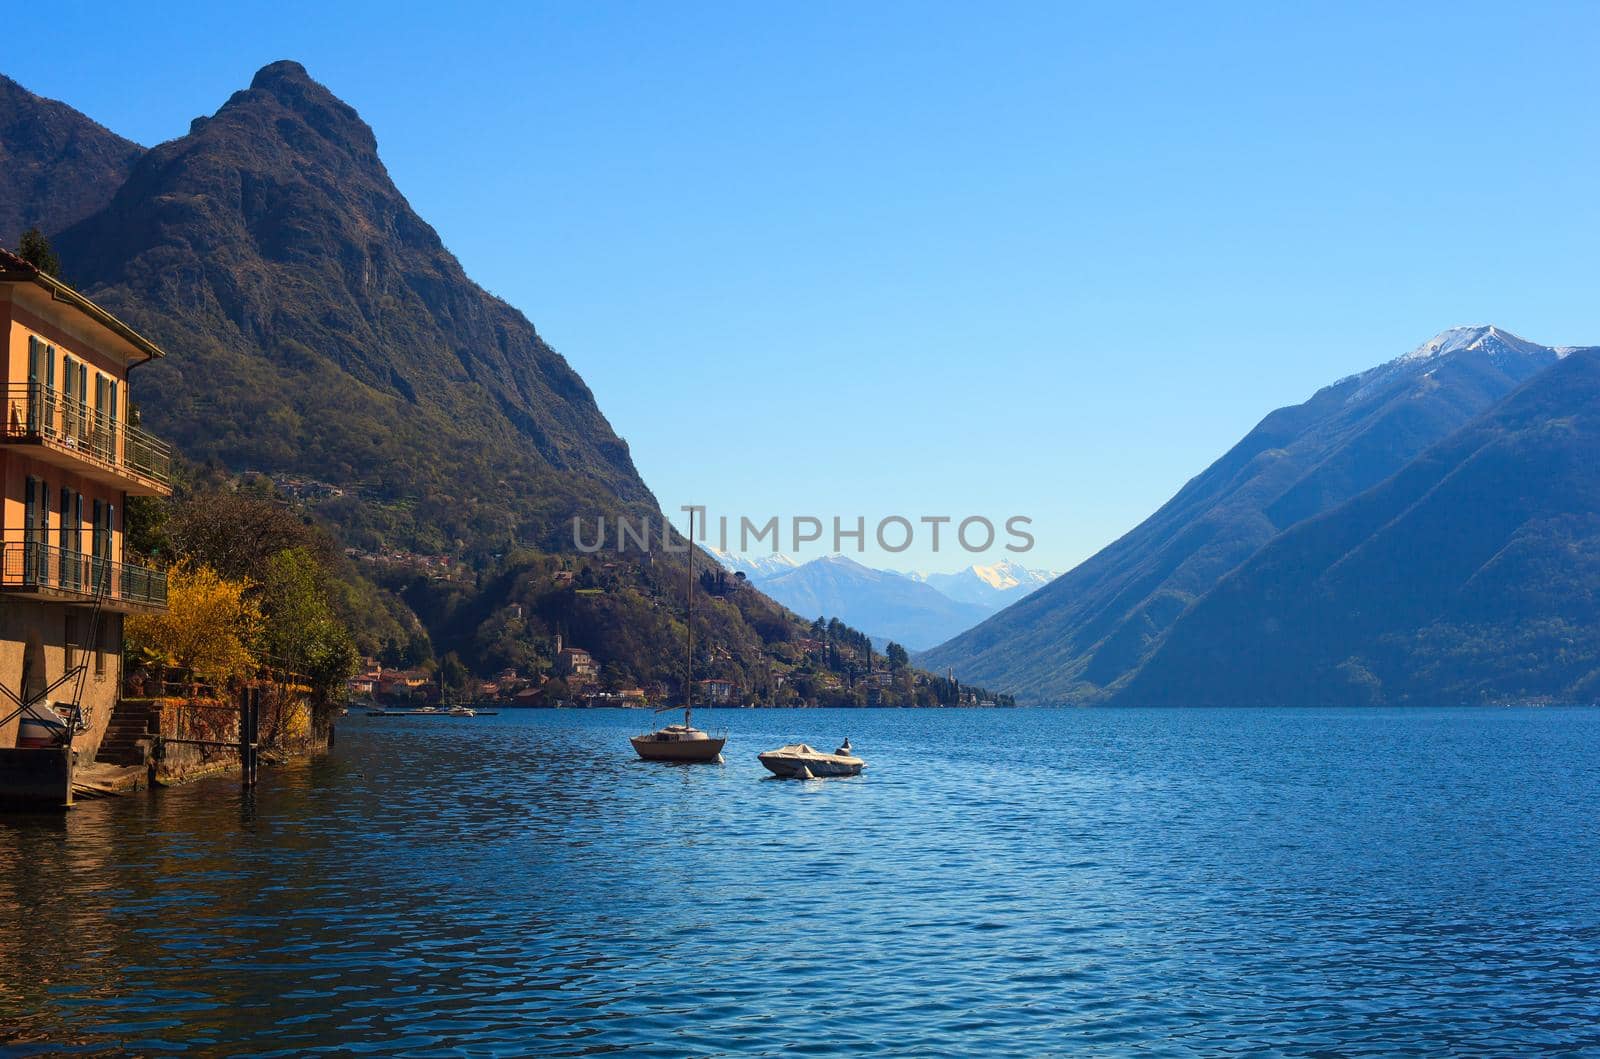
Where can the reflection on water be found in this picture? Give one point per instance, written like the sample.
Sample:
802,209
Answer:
1024,883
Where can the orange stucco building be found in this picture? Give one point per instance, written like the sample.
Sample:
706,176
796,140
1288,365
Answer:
69,460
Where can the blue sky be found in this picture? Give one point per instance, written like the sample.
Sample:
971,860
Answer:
940,259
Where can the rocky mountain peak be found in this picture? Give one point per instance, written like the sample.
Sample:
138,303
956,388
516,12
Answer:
286,86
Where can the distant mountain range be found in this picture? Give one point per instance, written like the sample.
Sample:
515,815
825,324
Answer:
1088,633
1424,531
992,587
912,609
755,567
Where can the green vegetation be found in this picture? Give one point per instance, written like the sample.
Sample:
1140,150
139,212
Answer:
254,586
35,249
628,611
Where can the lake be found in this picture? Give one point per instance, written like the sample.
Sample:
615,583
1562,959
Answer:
1031,882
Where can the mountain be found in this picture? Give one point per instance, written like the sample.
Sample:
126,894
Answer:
757,567
991,587
323,338
881,602
321,335
1091,627
58,166
1472,575
320,329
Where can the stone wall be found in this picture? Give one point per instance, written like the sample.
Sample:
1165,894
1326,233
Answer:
286,730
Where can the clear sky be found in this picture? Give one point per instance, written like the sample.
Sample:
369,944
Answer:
941,259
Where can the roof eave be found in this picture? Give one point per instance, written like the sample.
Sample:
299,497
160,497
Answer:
61,292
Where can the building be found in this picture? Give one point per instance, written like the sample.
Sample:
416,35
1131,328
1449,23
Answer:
69,460
576,666
404,684
715,692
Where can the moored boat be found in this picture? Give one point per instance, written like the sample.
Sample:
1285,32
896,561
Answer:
682,743
801,761
679,742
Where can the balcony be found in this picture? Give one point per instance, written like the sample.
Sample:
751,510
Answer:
32,570
70,434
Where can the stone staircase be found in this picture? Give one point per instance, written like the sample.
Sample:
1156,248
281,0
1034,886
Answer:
128,738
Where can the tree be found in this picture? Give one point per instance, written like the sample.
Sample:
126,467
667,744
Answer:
418,650
453,673
236,533
300,632
897,656
210,626
391,656
35,249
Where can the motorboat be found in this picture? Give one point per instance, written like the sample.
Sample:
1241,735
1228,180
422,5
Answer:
462,711
801,761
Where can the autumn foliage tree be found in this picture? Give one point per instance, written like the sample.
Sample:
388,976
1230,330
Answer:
210,627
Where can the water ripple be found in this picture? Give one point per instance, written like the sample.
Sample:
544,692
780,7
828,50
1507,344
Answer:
999,883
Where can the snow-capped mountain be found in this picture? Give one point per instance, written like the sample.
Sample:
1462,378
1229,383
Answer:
1485,337
1499,347
914,609
757,566
882,603
991,587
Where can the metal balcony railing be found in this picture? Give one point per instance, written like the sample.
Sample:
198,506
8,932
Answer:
35,567
34,411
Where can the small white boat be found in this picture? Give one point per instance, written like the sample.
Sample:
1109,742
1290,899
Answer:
462,711
802,762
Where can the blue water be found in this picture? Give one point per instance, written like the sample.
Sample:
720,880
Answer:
998,883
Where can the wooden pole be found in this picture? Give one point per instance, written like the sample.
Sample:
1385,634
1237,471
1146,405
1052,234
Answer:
249,728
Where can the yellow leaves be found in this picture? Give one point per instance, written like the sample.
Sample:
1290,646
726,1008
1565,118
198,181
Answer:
209,625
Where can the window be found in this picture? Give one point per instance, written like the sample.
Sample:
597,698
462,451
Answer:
67,540
41,386
36,531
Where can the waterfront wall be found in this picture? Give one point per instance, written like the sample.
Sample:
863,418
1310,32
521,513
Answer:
182,726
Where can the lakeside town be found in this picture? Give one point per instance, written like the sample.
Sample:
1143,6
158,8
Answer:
576,680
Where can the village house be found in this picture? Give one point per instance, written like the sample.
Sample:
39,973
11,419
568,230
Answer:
69,460
405,684
575,665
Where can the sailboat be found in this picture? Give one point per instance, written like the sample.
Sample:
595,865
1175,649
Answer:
682,742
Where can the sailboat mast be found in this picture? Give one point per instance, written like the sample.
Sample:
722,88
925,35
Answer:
688,681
